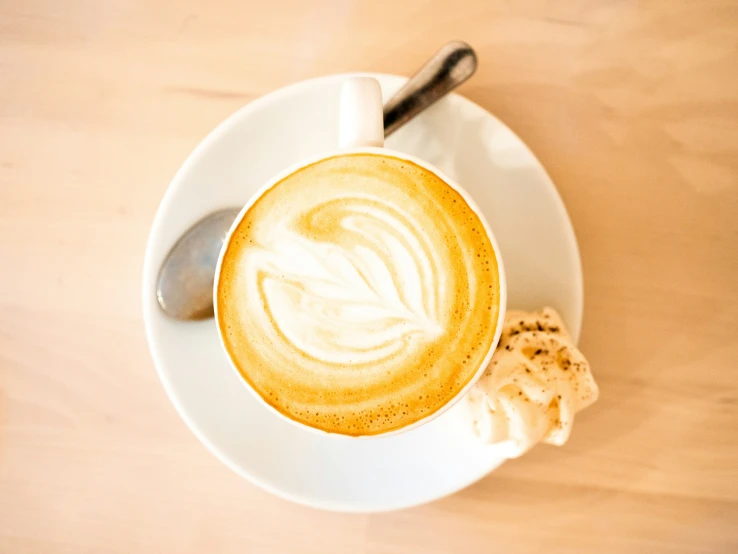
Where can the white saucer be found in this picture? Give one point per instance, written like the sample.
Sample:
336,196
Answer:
526,214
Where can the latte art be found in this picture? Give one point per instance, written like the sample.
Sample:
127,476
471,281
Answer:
339,303
359,294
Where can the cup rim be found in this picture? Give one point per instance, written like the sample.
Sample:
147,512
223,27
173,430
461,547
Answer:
383,151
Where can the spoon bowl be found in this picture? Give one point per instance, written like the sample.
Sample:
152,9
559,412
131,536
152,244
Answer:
184,288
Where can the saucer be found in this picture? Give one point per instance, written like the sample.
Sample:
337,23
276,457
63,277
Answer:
463,140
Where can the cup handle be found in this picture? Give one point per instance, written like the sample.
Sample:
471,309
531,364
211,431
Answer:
361,120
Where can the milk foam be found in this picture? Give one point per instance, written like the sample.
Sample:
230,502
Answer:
348,304
350,289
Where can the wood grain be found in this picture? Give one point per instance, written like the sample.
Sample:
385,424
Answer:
632,106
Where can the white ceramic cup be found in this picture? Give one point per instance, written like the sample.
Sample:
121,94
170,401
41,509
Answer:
361,131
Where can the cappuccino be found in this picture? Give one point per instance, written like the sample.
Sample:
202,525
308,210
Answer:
359,294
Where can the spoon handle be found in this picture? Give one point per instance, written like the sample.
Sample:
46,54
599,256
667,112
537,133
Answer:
453,64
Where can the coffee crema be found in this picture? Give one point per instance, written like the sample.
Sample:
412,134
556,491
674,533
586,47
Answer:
359,294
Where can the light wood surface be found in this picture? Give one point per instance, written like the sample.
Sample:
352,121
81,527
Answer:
632,106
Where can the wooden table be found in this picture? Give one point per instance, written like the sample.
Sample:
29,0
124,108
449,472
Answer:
631,106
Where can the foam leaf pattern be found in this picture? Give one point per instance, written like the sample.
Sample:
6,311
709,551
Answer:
344,304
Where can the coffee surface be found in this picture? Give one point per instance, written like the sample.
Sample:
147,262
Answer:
359,294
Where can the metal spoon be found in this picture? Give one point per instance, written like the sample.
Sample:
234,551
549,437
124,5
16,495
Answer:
184,288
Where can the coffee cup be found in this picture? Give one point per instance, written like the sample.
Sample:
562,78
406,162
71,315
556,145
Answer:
360,292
